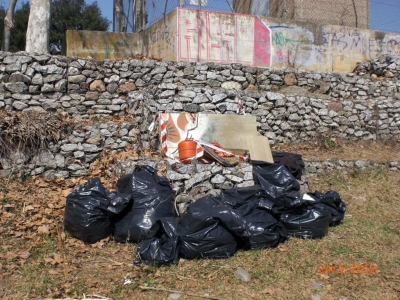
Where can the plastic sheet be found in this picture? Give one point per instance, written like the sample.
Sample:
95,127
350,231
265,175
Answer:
332,202
279,185
86,216
153,199
162,249
307,222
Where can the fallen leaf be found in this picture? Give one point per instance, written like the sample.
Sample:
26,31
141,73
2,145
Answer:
29,207
52,272
44,229
324,276
10,256
24,254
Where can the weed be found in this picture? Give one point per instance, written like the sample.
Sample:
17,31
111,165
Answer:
341,250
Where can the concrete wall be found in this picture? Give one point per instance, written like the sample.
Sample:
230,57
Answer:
324,12
158,41
204,36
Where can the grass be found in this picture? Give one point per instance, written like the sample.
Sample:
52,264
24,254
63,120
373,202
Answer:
370,234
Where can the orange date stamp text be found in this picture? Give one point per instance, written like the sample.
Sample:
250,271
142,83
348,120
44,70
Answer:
369,269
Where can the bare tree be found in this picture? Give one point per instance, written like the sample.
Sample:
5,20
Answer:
119,16
242,6
138,16
8,24
38,32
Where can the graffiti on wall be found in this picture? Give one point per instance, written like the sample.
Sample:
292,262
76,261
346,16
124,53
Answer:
223,38
346,40
294,46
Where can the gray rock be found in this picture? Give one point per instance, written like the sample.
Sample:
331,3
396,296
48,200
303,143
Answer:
218,98
201,98
90,148
231,85
191,108
198,177
187,94
218,179
69,147
174,176
18,77
79,154
76,79
16,87
234,178
60,161
274,96
18,105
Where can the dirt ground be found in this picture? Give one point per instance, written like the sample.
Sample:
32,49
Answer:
39,260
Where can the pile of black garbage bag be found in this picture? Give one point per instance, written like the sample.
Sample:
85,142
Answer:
142,210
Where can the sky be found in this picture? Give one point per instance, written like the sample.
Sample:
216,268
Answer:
384,13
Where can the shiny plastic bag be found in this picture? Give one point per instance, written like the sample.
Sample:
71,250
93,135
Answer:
153,199
279,185
206,230
162,249
205,238
86,216
307,222
332,202
262,228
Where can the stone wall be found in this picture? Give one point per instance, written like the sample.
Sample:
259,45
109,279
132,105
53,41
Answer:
290,106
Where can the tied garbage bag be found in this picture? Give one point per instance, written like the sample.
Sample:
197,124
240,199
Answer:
332,202
262,228
153,199
205,230
205,239
162,249
307,222
279,185
88,210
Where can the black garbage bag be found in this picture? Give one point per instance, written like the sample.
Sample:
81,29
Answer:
118,203
293,161
206,238
162,249
205,230
86,216
262,228
279,185
153,199
307,222
332,202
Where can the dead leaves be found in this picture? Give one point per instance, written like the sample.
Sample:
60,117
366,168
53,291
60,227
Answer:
9,256
54,259
44,229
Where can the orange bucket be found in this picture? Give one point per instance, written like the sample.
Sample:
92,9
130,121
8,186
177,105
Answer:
187,150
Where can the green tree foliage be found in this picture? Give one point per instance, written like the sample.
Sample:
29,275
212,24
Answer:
65,14
74,15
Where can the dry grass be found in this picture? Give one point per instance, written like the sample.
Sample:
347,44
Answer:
38,260
29,131
332,148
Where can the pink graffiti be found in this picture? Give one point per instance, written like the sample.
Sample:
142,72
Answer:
223,38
